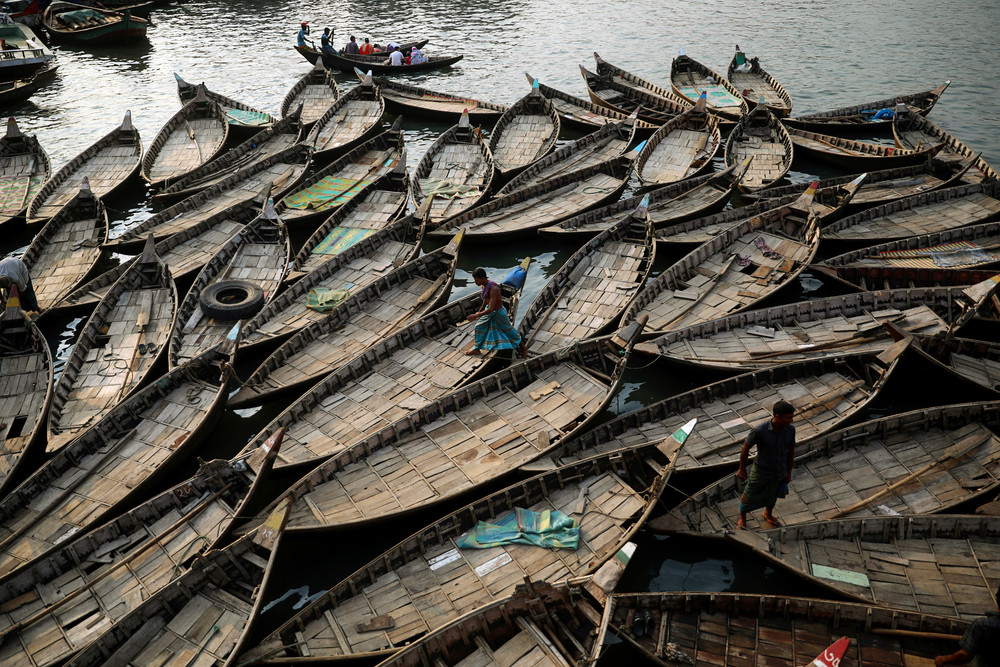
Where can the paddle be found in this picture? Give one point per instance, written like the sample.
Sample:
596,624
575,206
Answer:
27,186
194,140
956,451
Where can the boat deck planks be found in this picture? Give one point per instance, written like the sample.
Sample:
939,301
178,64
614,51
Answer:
24,167
525,132
352,116
760,135
455,172
194,136
315,93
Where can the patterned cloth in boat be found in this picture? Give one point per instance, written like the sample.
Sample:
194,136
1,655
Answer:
14,193
327,193
439,187
549,528
715,95
340,239
495,332
245,117
325,299
960,255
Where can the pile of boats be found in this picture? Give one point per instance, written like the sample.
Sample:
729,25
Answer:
387,416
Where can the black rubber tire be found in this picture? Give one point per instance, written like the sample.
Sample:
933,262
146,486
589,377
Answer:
231,300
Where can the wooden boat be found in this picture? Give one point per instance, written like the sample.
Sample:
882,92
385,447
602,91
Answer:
911,130
729,628
668,204
523,212
608,143
690,78
19,90
616,94
680,148
108,163
826,394
864,278
892,561
378,63
581,114
24,166
69,22
242,117
639,85
925,213
25,390
768,252
200,124
885,185
364,317
628,488
455,173
281,173
315,93
962,248
324,190
244,275
93,580
822,207
207,612
67,247
545,399
401,373
859,118
267,143
404,99
29,54
821,328
754,83
372,210
855,155
345,273
118,347
867,470
110,466
973,360
354,118
593,288
510,632
312,55
184,253
526,132
760,135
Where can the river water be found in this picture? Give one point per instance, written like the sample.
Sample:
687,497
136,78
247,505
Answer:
826,54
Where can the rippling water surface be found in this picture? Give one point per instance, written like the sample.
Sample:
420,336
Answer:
826,55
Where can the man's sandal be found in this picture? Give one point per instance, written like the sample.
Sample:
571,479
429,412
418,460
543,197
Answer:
772,520
741,523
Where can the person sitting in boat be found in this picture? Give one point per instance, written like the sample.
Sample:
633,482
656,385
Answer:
351,48
493,330
416,57
366,48
325,44
14,272
302,38
395,58
772,469
980,644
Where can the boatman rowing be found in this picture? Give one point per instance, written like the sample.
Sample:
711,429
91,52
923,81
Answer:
302,38
493,330
772,469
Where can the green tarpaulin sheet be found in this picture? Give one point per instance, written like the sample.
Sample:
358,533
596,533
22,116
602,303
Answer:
549,528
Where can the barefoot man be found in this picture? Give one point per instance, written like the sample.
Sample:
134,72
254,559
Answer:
493,330
772,469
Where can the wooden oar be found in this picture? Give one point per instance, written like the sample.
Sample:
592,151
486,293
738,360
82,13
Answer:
196,144
956,451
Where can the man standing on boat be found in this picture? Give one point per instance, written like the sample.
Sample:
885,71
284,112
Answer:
14,272
493,330
772,469
302,38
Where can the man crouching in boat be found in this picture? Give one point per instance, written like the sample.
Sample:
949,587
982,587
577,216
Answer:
493,330
772,469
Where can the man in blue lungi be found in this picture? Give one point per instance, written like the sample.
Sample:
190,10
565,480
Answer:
493,330
772,469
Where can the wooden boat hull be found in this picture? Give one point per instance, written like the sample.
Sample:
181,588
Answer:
374,64
857,119
724,99
757,83
580,114
353,119
200,123
243,118
679,149
761,136
115,28
821,328
853,155
349,271
608,92
826,486
912,129
407,100
600,538
19,90
315,93
24,167
715,627
526,132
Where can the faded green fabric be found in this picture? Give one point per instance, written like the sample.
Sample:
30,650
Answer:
324,299
549,528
